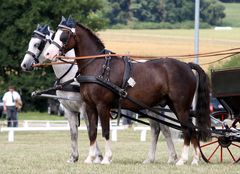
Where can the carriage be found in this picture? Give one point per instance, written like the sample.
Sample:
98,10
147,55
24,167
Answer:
103,89
225,144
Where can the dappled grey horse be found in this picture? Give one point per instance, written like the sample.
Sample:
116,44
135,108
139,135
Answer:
40,40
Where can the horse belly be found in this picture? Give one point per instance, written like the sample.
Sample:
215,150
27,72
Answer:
73,105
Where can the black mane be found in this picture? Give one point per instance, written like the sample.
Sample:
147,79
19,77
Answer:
92,35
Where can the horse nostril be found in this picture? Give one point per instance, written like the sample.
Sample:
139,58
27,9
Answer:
47,54
24,65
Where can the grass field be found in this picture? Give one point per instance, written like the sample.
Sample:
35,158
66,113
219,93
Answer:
47,152
170,42
232,14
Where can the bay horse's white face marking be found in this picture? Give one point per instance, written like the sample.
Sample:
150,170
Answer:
34,53
54,50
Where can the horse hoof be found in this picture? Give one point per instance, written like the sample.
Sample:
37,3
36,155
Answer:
148,161
106,161
72,160
181,162
88,160
98,160
172,161
194,162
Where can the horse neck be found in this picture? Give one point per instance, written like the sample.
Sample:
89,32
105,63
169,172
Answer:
86,46
61,69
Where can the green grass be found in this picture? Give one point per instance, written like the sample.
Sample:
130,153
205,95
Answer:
232,14
47,152
38,116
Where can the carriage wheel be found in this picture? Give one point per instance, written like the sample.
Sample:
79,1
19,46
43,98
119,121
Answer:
220,149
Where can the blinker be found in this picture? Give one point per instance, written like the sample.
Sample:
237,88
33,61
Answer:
64,37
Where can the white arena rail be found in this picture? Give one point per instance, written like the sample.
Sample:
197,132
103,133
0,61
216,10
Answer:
143,131
41,125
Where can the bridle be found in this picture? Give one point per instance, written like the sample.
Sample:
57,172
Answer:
42,37
63,40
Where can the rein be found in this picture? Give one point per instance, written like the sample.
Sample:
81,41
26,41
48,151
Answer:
228,53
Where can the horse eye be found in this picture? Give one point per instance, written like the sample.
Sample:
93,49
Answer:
36,45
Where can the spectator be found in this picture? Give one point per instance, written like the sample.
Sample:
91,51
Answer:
11,102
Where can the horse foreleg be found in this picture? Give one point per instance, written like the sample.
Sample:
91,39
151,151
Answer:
104,113
155,130
83,114
172,159
92,133
73,123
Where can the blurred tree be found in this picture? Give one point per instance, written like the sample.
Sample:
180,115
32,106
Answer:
173,11
118,11
18,19
212,12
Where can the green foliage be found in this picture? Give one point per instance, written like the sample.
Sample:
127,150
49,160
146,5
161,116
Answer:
234,62
161,25
18,19
212,12
232,14
155,11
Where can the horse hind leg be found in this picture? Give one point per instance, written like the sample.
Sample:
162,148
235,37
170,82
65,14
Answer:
187,137
155,131
172,159
196,152
73,123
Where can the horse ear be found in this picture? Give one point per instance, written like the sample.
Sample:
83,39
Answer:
63,19
38,26
70,22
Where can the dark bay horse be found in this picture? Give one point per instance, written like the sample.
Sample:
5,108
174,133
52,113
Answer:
161,81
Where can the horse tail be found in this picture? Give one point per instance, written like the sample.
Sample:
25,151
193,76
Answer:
202,107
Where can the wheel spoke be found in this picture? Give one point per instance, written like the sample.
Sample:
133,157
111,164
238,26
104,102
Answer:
209,143
231,154
236,145
221,154
213,152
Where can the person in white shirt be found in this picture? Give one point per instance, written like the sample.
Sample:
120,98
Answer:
10,99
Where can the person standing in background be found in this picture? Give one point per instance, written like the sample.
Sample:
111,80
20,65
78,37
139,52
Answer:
11,100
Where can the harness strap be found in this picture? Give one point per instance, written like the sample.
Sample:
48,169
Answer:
57,45
33,56
69,69
121,92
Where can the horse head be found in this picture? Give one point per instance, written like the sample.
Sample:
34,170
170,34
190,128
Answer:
63,39
39,42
